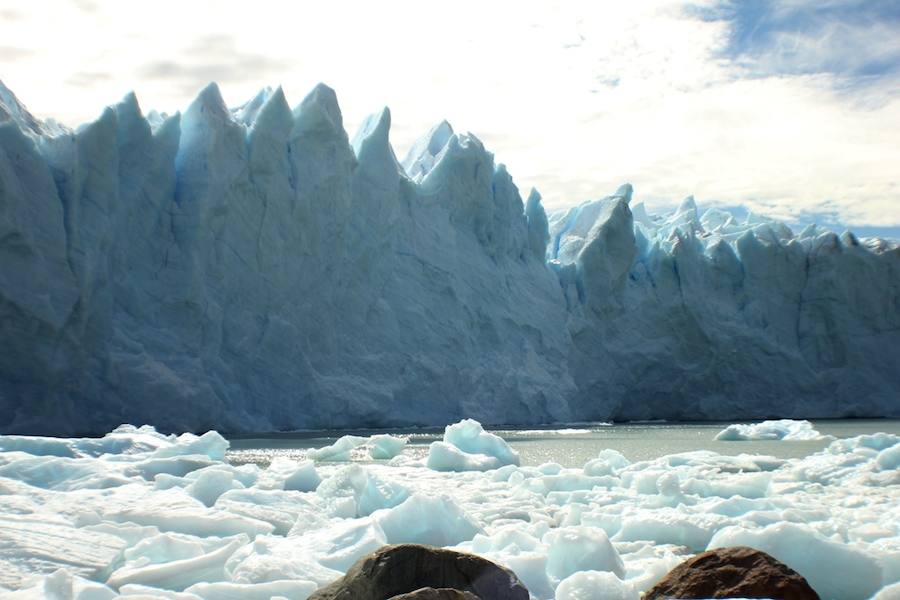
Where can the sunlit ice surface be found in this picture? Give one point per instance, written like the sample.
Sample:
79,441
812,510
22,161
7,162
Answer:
140,512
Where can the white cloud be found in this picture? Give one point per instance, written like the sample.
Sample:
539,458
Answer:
576,97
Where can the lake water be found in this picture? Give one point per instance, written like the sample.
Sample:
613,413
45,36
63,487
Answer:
574,445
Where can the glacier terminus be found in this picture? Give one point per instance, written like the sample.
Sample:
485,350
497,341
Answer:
255,269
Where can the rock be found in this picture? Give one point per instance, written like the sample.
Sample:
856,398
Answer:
408,571
428,593
738,572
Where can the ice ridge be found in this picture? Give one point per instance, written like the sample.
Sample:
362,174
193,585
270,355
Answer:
253,269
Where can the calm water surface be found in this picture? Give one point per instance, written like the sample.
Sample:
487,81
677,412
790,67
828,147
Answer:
572,446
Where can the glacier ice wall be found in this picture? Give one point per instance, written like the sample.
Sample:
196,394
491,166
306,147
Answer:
255,269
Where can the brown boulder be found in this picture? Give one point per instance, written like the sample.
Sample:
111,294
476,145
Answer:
395,570
428,593
738,572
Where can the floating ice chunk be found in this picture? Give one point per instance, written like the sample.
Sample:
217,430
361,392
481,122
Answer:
889,458
284,473
595,585
354,491
286,510
35,544
433,520
60,474
384,447
164,481
207,485
875,442
274,559
340,451
179,466
167,547
782,429
339,545
504,538
567,482
173,510
124,440
294,589
609,462
37,445
573,549
210,444
134,591
178,574
467,446
529,567
643,481
550,468
248,474
303,479
447,457
833,569
672,526
61,585
748,485
669,485
469,436
130,533
519,550
314,556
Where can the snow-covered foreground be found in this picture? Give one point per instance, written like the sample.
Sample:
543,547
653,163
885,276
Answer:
136,512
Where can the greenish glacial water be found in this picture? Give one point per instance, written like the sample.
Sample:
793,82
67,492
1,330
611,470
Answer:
573,445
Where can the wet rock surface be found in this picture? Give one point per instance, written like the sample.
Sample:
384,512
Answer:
738,572
429,593
402,571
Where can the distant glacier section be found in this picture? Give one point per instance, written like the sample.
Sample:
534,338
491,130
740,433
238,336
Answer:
255,269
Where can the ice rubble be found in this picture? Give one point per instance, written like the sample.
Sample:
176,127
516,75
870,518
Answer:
96,525
782,429
252,269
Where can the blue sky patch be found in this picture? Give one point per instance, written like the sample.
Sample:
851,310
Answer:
846,38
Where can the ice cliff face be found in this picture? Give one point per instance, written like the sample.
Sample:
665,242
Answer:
254,269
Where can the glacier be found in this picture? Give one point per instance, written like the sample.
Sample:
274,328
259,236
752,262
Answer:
256,269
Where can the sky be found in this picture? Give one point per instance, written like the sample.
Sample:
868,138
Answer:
790,109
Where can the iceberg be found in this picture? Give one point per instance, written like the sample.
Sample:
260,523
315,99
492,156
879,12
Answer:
466,446
782,429
254,269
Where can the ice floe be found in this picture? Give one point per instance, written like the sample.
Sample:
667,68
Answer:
138,513
782,429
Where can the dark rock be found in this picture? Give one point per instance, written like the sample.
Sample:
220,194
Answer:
738,572
396,570
429,593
